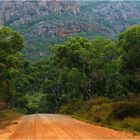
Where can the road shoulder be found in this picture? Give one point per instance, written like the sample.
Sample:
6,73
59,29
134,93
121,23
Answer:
8,130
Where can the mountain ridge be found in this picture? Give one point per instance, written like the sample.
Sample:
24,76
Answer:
44,23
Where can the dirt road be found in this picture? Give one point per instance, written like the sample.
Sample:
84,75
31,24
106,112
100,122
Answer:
47,126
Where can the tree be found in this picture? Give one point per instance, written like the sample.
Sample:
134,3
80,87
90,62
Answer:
83,68
129,40
11,42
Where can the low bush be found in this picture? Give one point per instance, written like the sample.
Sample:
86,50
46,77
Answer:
74,106
133,123
6,116
123,109
46,104
101,100
99,113
3,106
123,113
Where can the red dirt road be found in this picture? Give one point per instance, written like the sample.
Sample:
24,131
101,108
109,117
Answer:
60,127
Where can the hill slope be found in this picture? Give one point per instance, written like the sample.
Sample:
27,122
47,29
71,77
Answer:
47,22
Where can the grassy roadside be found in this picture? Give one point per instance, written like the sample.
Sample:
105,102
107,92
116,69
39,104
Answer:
105,125
8,116
122,114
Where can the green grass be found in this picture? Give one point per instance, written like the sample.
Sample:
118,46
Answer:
7,116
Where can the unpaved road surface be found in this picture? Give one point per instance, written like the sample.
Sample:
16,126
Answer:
60,127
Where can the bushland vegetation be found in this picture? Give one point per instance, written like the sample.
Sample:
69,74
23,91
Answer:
98,80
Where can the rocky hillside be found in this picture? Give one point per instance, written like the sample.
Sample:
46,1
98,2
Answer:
116,15
47,22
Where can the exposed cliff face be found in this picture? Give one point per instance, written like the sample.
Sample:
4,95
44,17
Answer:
44,22
39,20
19,12
117,15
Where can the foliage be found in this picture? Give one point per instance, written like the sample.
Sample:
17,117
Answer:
48,104
132,123
97,80
112,113
7,116
11,42
84,68
78,69
130,68
33,103
121,110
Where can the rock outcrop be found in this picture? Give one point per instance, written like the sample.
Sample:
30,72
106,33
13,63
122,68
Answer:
44,22
18,12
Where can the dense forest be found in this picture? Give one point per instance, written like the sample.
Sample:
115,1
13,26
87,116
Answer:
98,80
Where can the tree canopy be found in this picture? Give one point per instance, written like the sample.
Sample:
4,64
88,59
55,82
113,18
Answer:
77,69
11,42
130,66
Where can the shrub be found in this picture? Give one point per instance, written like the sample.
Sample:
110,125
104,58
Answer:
6,116
133,123
121,110
96,118
122,113
74,106
3,106
100,112
101,100
47,104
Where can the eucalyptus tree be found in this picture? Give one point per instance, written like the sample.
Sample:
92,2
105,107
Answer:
11,42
